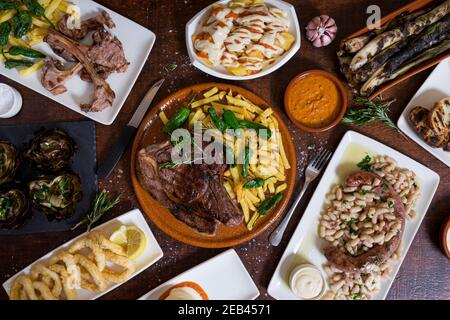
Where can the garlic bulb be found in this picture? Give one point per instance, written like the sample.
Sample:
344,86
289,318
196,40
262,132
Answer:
321,31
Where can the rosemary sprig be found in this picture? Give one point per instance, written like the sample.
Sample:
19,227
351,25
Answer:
101,204
370,111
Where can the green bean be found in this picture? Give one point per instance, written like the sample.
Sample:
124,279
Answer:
218,122
269,203
177,120
35,8
26,52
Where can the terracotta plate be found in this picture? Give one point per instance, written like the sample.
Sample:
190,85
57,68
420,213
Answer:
150,132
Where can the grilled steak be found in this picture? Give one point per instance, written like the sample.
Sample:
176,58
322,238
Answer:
193,193
379,253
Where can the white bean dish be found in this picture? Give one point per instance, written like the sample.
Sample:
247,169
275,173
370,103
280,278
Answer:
365,222
362,261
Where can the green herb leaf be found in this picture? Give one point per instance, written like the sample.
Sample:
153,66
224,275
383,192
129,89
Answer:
365,163
171,67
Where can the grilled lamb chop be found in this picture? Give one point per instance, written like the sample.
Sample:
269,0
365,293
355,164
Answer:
106,54
379,253
103,94
193,193
54,75
68,28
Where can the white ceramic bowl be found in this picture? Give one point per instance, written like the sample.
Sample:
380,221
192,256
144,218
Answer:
298,270
194,25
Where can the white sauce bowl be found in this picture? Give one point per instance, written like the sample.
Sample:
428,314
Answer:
12,106
300,269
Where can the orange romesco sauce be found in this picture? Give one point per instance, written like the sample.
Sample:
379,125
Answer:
314,101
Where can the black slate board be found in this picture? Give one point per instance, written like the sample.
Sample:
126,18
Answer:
83,164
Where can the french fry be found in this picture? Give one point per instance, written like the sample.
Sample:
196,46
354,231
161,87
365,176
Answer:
283,153
250,204
229,189
261,194
281,188
35,67
245,210
196,117
208,100
52,7
163,117
7,15
17,42
249,195
235,174
220,107
211,92
39,23
252,221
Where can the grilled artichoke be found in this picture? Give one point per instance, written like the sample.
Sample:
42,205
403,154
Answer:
51,150
14,207
9,162
56,196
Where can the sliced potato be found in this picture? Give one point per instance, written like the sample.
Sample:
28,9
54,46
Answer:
287,42
238,71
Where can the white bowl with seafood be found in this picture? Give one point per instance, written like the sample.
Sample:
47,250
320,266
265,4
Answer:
366,219
260,60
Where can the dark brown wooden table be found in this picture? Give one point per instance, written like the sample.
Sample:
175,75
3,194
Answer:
425,273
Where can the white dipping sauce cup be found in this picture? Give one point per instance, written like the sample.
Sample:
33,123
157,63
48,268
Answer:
12,107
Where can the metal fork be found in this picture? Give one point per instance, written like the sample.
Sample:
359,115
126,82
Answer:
312,171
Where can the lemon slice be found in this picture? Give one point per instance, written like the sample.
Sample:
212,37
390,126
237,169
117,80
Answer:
132,239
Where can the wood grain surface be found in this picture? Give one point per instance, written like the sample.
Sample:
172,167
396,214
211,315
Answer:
425,273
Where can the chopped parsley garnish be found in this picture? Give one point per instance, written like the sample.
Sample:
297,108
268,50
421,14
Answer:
390,204
357,296
171,67
365,163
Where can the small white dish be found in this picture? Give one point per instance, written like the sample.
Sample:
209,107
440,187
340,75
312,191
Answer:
151,254
305,244
137,43
434,89
301,269
223,277
12,107
194,25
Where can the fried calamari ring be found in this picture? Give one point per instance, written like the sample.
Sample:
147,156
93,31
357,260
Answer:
90,242
93,270
124,262
44,290
23,283
73,270
70,293
108,244
48,276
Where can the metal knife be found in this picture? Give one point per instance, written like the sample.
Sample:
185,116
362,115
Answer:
128,132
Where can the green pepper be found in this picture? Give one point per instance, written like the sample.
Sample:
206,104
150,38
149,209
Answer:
269,203
5,29
7,5
255,183
10,64
36,9
245,162
230,119
26,52
21,24
218,122
177,120
257,127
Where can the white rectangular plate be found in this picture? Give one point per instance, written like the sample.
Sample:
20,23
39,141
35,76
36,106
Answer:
434,89
137,48
223,277
151,254
305,245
